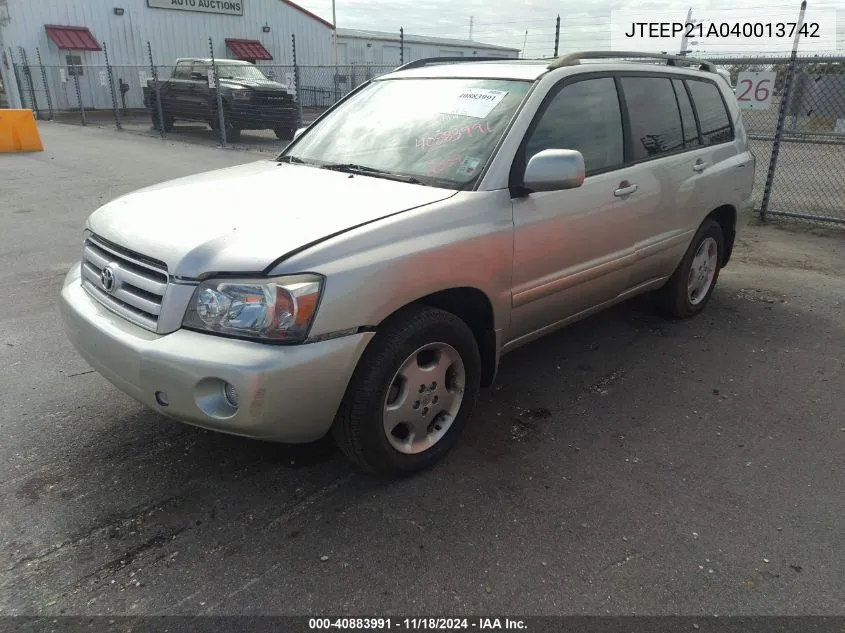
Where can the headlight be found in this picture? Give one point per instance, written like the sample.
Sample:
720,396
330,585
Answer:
279,309
241,94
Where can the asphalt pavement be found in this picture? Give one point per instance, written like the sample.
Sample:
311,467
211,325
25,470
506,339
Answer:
626,465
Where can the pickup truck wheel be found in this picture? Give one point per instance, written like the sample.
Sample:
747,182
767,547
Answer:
411,394
168,121
233,134
284,133
688,290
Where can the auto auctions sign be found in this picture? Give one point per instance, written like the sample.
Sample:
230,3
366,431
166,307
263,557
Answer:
226,7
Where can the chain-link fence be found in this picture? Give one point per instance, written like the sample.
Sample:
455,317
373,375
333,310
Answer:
793,109
219,101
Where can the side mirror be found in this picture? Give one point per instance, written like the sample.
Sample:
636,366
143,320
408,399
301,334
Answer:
553,170
299,132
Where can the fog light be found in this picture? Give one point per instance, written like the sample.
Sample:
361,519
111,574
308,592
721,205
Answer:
231,394
161,398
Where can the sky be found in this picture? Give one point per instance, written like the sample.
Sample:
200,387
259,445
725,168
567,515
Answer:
531,23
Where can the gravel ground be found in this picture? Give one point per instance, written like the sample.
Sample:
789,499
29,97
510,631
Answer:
627,465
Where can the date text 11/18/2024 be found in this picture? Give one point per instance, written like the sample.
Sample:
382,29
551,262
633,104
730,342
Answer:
415,624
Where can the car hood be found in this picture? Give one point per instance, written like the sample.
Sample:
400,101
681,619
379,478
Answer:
242,219
255,84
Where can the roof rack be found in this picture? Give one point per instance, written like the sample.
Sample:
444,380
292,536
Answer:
573,59
431,61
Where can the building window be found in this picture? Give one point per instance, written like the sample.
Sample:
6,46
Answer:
74,65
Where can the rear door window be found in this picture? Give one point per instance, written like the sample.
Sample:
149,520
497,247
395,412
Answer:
712,112
583,116
654,116
687,115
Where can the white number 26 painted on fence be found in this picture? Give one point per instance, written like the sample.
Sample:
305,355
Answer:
754,90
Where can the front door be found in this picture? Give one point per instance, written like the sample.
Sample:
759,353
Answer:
573,248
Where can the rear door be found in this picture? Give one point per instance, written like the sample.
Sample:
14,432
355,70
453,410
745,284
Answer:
665,143
726,166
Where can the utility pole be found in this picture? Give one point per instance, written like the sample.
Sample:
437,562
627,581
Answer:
557,34
524,39
684,42
470,28
334,35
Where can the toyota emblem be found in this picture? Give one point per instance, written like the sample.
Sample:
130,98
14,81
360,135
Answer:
108,278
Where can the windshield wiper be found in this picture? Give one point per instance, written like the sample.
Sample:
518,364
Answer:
353,168
293,159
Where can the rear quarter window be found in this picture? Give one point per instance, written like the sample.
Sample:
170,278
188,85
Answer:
712,112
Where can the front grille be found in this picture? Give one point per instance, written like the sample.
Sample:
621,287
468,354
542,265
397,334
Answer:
276,98
137,283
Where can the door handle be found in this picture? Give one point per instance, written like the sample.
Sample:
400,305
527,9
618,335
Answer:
699,166
625,189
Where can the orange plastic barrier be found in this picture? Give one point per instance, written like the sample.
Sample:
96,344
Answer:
18,132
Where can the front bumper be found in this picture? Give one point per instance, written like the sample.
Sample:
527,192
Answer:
286,393
259,117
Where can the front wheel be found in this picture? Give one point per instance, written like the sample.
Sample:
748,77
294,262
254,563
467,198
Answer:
233,133
412,393
157,123
688,290
284,133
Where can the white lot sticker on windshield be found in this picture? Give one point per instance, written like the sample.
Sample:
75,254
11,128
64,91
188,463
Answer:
475,102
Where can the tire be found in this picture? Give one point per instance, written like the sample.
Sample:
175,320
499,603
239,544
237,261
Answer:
380,394
284,133
233,134
168,120
683,297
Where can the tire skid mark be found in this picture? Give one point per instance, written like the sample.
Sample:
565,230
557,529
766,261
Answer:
111,523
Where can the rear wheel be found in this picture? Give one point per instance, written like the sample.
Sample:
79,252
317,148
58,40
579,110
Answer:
412,393
688,290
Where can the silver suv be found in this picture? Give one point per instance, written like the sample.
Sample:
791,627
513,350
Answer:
367,281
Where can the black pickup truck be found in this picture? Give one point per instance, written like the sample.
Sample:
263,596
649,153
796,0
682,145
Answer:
251,101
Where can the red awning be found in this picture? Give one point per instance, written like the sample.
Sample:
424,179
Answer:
72,38
249,49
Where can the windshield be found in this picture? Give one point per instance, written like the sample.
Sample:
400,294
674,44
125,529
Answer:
438,131
240,71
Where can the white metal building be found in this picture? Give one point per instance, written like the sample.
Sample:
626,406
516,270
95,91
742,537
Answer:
70,33
376,48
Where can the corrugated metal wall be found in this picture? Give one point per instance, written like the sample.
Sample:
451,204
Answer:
173,33
382,52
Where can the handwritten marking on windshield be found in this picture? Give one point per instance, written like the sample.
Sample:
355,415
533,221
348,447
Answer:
454,135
